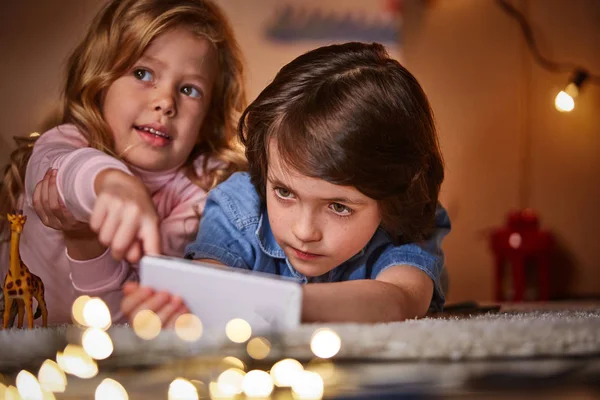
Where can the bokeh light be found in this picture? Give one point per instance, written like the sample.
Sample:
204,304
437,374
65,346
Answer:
238,330
325,368
258,348
51,377
75,361
325,343
28,386
97,343
216,394
230,382
188,327
77,309
96,314
12,393
257,384
109,389
234,362
147,325
308,386
284,372
182,389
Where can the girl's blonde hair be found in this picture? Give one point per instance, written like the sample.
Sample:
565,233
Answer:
117,38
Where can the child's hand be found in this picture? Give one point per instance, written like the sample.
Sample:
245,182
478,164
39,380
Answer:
124,216
50,208
165,305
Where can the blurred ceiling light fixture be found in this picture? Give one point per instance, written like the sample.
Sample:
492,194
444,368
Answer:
565,99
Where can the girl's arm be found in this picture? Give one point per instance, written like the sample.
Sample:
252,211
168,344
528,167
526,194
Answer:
400,292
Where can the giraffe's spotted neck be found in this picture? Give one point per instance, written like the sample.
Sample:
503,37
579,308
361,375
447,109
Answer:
15,260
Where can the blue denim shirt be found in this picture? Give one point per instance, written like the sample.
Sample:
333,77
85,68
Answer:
235,231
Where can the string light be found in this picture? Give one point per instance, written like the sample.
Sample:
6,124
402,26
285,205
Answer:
565,99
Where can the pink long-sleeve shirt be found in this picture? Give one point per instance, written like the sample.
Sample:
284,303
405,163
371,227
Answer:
178,201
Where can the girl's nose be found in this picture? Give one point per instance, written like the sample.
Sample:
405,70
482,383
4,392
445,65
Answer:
164,102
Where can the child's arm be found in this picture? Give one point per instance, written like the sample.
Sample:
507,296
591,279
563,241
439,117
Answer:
92,187
400,292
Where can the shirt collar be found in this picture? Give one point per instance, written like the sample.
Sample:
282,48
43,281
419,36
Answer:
268,244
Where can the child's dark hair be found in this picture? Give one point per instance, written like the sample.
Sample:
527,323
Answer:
352,116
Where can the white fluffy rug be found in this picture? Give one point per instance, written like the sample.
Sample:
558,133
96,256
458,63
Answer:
500,335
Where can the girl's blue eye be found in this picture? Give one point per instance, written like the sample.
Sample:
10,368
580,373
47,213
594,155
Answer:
191,91
283,193
340,209
142,74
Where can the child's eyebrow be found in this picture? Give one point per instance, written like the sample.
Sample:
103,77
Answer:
346,200
152,60
161,64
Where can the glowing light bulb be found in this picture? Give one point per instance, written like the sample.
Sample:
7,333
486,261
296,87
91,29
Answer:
238,330
146,324
284,372
257,384
97,343
230,382
96,314
109,389
188,327
234,362
51,377
325,343
182,389
565,100
28,386
258,348
308,385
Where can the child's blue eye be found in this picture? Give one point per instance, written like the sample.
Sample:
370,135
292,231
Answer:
191,91
142,74
283,193
340,209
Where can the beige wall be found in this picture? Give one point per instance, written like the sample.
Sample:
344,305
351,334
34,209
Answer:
489,98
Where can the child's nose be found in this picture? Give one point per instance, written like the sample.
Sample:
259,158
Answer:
164,101
306,229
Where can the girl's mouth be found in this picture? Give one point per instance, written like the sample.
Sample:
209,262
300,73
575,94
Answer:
152,136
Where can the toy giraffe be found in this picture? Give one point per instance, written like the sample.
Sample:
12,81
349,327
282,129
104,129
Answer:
20,285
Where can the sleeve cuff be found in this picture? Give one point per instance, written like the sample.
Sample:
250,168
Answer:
98,275
420,262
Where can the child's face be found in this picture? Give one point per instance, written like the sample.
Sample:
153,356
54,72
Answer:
156,109
318,225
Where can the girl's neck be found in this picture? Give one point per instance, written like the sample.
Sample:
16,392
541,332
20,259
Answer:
154,180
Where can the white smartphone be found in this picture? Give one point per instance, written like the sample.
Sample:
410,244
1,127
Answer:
218,294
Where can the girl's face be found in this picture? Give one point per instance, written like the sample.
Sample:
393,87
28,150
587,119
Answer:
156,110
318,225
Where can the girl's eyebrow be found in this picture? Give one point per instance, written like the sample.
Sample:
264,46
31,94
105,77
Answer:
161,64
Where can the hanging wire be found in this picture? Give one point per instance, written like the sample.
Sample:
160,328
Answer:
532,45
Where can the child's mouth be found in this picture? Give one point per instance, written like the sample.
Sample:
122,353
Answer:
153,136
304,255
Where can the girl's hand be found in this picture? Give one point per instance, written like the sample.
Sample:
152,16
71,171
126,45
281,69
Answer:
165,305
124,216
50,208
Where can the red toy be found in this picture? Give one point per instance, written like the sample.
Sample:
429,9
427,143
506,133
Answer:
521,245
